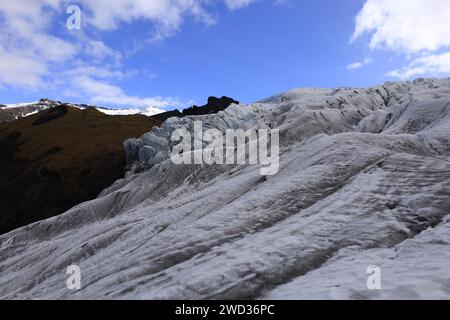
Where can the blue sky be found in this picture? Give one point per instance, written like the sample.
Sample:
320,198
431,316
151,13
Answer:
171,53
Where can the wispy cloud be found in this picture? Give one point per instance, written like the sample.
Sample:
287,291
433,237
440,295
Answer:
434,64
166,16
359,64
237,4
26,45
101,92
418,28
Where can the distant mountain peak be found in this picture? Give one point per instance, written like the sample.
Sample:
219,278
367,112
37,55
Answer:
10,112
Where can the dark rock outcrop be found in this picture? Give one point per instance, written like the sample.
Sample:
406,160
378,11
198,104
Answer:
214,105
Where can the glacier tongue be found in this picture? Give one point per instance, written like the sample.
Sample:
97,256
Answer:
364,180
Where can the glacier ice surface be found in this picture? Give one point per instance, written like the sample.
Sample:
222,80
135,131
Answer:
364,180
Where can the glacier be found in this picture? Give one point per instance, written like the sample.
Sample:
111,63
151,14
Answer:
364,180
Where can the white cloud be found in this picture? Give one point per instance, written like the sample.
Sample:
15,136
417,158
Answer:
100,92
103,72
99,50
237,4
358,65
166,15
409,26
24,26
430,64
21,71
26,49
416,28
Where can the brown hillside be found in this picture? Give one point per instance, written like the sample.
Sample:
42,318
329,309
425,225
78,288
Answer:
60,157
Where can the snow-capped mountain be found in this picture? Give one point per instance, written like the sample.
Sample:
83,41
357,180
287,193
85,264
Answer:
364,180
148,111
11,112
